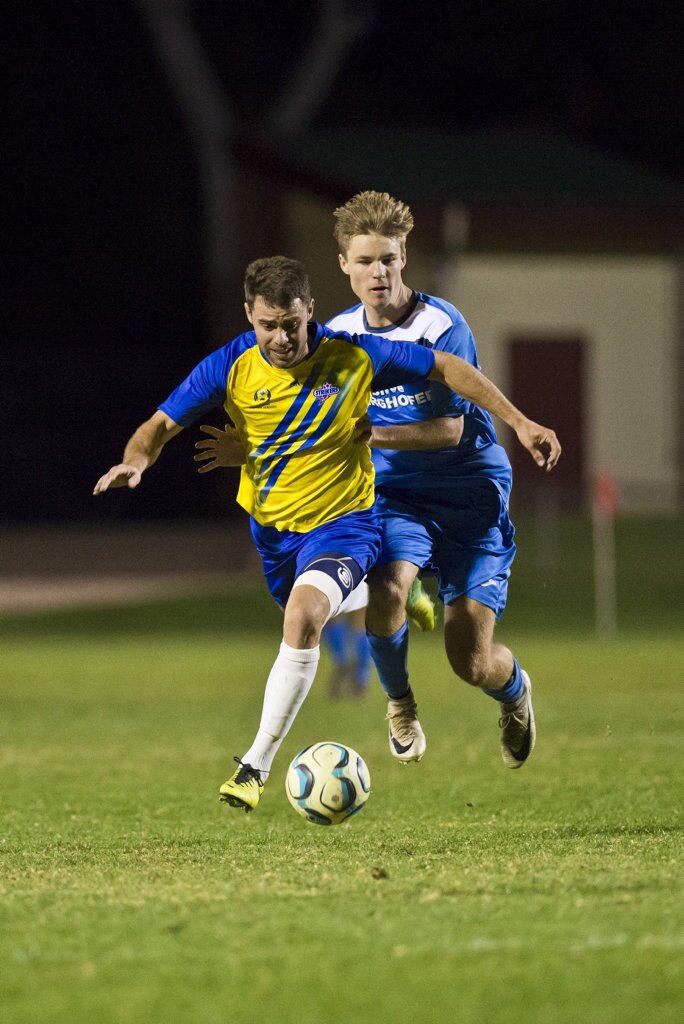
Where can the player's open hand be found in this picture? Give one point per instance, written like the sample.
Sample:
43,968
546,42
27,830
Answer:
541,443
222,448
122,475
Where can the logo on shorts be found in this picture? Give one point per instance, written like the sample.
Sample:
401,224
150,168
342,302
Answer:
345,577
489,583
262,396
324,392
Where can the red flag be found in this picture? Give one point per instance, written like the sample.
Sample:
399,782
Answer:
606,495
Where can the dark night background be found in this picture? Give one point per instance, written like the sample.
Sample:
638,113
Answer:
102,290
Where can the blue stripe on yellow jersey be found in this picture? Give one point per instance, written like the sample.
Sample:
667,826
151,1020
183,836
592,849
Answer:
297,425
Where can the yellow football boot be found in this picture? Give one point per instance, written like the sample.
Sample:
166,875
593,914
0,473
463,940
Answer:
420,607
242,789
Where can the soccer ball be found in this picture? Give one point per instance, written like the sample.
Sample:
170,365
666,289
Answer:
327,782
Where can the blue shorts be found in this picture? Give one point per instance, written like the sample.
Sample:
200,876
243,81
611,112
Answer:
286,554
466,542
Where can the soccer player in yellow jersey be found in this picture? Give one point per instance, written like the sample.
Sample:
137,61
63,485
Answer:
296,391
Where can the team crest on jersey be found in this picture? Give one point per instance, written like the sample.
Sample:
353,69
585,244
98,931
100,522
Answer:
262,396
324,392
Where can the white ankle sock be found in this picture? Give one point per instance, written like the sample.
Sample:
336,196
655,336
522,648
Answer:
288,683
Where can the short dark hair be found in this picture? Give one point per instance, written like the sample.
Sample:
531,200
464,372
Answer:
278,280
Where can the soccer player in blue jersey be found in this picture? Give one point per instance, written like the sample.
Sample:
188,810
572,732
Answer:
348,648
295,391
442,484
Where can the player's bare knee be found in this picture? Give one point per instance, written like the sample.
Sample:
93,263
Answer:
301,631
318,593
305,614
386,610
388,594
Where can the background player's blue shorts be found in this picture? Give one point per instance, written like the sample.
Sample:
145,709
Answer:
286,554
466,542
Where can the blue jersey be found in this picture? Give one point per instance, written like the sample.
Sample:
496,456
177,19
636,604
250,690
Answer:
430,323
297,425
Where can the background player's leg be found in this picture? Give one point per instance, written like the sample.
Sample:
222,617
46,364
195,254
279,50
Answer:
387,629
345,637
387,626
470,646
337,638
479,660
360,676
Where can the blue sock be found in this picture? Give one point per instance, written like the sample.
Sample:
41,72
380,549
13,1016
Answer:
513,688
390,657
363,658
335,636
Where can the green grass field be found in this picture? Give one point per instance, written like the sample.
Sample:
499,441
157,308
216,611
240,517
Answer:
463,892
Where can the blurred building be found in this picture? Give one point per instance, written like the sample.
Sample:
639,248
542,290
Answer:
566,263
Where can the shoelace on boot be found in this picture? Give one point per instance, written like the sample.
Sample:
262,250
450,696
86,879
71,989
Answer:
246,773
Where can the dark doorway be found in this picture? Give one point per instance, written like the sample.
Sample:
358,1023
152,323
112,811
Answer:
547,381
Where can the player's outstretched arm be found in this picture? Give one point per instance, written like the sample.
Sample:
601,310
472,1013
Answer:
465,380
423,435
222,447
141,452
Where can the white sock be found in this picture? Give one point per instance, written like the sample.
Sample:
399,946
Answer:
288,683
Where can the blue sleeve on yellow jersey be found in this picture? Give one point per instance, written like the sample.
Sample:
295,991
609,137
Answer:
205,387
394,362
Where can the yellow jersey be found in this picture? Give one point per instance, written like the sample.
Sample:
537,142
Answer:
303,467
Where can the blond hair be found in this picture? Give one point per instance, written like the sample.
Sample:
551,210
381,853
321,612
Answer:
372,212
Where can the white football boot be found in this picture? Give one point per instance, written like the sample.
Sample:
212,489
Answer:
406,738
518,731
